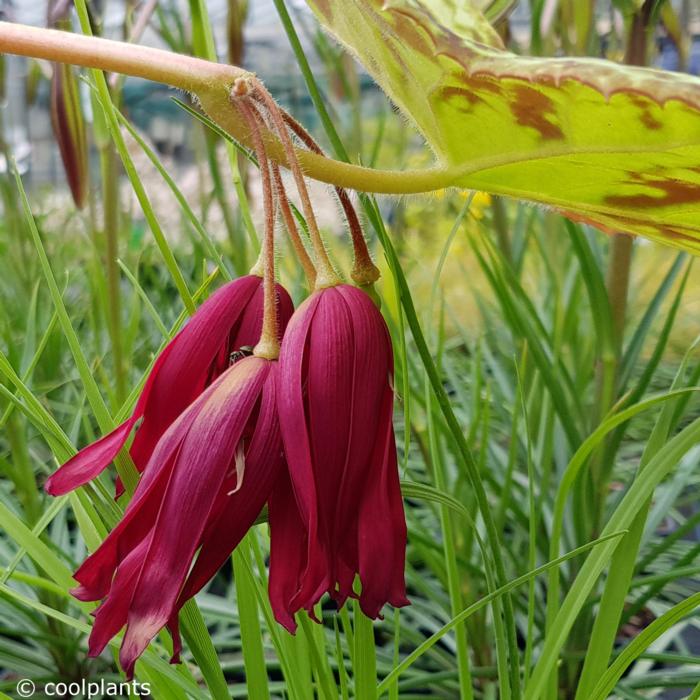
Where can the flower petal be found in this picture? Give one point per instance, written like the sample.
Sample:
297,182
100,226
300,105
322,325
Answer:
186,372
372,362
288,551
336,361
235,513
177,377
95,574
382,526
90,461
197,478
201,357
293,424
250,325
111,615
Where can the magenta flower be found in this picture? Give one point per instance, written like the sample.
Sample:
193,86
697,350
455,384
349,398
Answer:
205,484
340,513
230,319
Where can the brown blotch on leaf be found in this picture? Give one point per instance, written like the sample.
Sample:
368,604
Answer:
480,83
650,121
675,232
626,223
534,109
670,192
450,91
324,7
646,116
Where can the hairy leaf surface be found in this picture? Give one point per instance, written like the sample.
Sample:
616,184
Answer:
611,145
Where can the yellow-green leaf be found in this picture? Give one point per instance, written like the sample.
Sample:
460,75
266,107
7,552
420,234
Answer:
612,145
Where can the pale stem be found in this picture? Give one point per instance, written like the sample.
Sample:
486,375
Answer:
185,72
268,346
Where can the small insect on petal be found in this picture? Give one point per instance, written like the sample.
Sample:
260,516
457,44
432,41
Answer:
227,323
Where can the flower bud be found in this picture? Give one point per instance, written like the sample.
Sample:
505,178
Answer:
69,129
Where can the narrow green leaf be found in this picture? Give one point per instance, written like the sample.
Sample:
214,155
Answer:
364,661
251,633
106,102
641,642
486,600
633,501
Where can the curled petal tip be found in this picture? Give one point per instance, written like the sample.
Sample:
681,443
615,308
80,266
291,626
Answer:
286,619
84,594
89,462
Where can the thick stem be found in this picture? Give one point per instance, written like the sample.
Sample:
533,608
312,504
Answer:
212,83
184,72
268,346
326,276
618,279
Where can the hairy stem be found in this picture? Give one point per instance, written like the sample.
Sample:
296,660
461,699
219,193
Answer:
292,229
268,346
364,270
326,276
280,196
211,83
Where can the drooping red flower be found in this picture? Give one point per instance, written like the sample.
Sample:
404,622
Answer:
206,482
340,513
230,319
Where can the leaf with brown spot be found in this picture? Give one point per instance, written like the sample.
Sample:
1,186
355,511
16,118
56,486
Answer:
613,145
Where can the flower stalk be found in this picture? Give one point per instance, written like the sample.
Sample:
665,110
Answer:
292,228
268,346
325,274
364,271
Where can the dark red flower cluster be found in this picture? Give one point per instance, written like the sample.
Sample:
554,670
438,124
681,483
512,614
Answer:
311,435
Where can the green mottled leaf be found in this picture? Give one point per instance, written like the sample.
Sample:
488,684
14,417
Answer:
611,145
